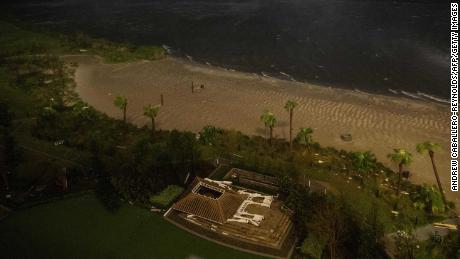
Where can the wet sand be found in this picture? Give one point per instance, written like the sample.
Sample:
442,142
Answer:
235,100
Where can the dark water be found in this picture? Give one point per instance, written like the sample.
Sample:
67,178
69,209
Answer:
365,45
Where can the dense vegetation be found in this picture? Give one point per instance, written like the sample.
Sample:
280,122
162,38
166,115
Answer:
19,42
48,132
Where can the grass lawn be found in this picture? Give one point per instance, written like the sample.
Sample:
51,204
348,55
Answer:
81,228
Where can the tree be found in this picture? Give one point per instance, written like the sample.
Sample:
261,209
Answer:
329,221
406,244
428,198
107,194
85,112
403,158
208,135
313,246
289,106
429,146
269,120
364,162
304,137
151,112
121,102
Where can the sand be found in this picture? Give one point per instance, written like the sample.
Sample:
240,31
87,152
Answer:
235,100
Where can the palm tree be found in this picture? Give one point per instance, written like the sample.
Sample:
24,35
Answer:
269,120
304,137
430,199
121,102
403,158
364,161
151,112
208,135
429,146
289,107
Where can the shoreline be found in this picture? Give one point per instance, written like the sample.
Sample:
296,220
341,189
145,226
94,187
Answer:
391,93
403,95
394,93
235,100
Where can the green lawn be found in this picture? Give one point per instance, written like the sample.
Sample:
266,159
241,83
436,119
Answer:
81,228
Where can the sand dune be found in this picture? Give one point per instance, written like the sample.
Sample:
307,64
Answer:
235,100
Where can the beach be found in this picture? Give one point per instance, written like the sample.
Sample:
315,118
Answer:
235,100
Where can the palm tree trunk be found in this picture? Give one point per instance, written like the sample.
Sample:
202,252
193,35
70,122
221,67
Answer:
271,135
437,177
124,114
399,178
153,126
307,145
290,129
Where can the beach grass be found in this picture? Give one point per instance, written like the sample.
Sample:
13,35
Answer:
80,227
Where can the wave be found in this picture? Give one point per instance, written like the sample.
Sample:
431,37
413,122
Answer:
393,91
415,96
420,96
433,97
288,76
359,91
285,74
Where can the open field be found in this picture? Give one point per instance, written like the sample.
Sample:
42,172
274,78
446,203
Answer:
81,228
235,100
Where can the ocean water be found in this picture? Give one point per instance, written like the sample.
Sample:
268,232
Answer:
382,47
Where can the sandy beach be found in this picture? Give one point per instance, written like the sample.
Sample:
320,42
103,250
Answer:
235,100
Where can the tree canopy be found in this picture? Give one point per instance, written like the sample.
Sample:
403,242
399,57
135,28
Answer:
268,118
401,156
121,102
290,105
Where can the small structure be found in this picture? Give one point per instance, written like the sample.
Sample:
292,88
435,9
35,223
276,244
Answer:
346,137
210,201
235,216
243,216
249,178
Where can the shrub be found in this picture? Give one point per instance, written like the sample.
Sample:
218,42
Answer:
107,195
167,196
313,246
429,198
